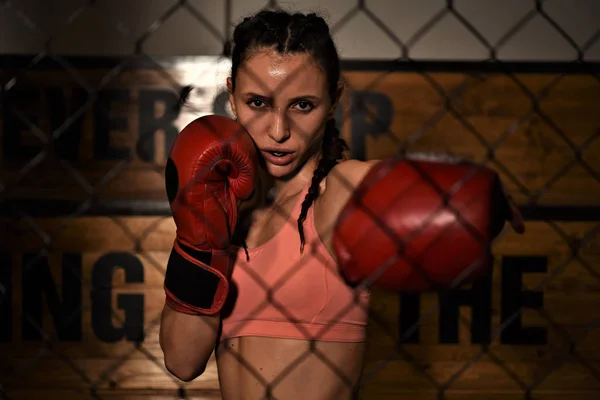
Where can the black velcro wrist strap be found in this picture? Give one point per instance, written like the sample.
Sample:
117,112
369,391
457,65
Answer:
189,282
205,257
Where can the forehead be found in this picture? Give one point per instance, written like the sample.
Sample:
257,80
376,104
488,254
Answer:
268,72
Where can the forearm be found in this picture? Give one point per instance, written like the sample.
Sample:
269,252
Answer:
187,342
204,188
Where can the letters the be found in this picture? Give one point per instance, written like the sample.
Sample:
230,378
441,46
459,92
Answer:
479,298
514,299
410,305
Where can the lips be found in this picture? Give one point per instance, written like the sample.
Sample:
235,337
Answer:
278,157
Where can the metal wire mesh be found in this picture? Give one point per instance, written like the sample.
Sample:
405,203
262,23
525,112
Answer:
55,143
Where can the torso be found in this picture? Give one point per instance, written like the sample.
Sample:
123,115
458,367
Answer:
288,368
262,367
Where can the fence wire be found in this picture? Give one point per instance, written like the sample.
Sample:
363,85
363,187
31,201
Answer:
451,106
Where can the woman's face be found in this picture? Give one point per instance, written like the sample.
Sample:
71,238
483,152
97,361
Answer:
283,103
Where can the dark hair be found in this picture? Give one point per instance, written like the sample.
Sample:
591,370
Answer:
295,33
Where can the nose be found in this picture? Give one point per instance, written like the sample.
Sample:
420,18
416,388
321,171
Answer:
280,126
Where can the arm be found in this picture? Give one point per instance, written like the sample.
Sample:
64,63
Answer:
345,177
187,342
211,168
339,186
418,224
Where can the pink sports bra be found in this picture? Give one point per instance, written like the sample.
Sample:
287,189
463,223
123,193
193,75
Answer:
285,294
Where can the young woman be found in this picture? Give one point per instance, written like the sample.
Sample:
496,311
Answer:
295,330
285,324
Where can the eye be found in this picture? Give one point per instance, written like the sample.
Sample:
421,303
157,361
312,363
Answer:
255,103
304,106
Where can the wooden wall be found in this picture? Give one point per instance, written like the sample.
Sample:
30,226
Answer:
101,279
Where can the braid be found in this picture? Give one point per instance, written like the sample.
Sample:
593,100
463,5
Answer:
293,33
332,150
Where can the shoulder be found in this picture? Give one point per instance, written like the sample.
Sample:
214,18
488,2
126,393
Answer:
339,186
347,175
342,180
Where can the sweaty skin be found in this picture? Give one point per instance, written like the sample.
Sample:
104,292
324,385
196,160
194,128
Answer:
271,100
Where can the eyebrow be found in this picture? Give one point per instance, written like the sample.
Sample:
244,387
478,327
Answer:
297,98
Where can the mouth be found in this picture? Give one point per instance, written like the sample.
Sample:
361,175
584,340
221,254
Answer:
278,157
278,153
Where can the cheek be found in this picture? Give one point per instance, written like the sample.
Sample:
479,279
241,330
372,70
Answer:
255,123
308,127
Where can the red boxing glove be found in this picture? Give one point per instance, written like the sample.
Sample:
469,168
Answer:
212,165
417,225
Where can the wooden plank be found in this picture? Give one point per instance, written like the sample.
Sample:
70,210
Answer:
571,299
52,394
92,237
103,373
479,94
534,154
89,234
383,341
383,393
490,104
482,376
492,111
380,393
88,240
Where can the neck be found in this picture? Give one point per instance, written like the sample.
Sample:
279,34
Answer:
277,189
271,190
290,186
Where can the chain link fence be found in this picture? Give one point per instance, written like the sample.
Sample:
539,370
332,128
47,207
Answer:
38,212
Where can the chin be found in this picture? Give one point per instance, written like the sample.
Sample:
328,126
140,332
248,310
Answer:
280,171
